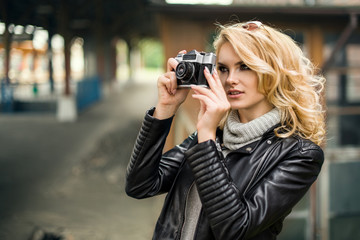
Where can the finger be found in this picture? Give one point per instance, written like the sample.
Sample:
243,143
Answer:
171,82
204,99
217,79
215,83
202,110
164,82
220,101
171,64
205,91
212,79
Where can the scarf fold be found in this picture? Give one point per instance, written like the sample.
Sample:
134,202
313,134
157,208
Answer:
237,134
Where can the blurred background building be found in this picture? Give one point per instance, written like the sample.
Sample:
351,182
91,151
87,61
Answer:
62,56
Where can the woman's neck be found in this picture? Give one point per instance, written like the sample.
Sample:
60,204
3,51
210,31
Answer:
247,115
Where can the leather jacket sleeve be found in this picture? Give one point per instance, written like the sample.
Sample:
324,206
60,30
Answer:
150,172
242,215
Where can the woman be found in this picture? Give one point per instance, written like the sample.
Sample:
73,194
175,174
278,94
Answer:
256,150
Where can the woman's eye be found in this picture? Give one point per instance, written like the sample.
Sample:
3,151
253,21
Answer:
222,69
244,67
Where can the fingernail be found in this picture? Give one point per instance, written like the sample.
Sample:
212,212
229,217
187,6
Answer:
207,69
215,71
174,91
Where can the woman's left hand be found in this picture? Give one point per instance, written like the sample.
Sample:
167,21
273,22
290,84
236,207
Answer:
213,106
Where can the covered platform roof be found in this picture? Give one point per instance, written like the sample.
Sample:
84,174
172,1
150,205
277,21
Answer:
123,18
129,18
304,13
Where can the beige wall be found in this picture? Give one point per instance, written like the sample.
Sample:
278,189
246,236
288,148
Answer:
176,35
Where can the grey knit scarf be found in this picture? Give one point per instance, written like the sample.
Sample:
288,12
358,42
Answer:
237,134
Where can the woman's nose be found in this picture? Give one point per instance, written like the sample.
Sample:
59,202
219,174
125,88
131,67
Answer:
231,79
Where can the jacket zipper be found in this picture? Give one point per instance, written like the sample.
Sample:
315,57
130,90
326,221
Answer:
260,166
180,230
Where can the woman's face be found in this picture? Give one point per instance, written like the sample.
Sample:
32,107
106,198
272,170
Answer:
241,85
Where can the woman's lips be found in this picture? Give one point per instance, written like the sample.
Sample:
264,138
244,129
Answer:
233,93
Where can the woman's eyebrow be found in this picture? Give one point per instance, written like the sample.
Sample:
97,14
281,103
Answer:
239,63
236,64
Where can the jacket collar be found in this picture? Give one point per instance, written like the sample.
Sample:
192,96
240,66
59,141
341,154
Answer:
268,136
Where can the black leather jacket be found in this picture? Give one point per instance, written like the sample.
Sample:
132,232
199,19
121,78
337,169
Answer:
246,195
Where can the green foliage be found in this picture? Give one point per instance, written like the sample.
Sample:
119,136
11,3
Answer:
152,53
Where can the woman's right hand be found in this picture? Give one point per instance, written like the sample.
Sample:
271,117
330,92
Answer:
169,96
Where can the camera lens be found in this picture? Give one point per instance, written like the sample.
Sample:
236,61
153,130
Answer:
185,71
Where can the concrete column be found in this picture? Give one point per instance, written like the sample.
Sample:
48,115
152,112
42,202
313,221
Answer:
314,41
108,64
99,38
50,60
7,48
33,71
6,39
6,90
66,110
90,57
113,59
129,60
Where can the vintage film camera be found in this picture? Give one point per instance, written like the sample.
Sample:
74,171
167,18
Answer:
190,70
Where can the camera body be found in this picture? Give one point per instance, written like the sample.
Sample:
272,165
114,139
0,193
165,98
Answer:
190,70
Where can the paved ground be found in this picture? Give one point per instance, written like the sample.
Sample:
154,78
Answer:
69,177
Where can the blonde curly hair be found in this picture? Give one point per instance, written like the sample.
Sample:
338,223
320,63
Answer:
286,77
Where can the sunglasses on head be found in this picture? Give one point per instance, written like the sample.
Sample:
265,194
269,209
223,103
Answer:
252,25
